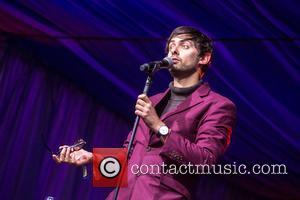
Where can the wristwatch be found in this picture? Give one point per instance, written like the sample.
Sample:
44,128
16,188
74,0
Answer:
163,130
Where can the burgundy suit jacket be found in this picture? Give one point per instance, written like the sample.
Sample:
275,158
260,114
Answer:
200,133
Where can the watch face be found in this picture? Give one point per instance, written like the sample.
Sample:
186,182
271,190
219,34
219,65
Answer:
163,130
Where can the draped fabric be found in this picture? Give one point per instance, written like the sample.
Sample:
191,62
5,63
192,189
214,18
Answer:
69,70
37,106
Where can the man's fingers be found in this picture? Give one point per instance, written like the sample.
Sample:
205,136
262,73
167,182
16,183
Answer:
56,159
63,146
67,156
144,97
72,158
140,113
62,154
141,102
141,96
140,108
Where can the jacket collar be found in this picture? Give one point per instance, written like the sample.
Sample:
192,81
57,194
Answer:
195,98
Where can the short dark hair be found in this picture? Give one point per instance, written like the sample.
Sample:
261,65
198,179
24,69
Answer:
202,42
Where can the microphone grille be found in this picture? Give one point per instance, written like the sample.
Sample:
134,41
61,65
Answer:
167,61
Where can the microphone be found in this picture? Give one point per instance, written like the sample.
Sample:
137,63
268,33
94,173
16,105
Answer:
157,65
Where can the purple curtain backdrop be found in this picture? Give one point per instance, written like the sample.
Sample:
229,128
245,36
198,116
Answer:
70,70
36,103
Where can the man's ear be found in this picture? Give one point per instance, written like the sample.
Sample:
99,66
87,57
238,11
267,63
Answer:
205,59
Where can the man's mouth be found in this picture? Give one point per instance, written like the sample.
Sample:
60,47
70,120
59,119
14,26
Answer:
175,60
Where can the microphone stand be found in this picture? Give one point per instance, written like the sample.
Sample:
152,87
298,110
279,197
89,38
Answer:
136,122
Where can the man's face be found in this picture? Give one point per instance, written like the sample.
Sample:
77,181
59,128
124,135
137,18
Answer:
184,54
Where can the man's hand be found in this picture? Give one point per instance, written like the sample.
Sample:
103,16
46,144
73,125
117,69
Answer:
72,156
146,111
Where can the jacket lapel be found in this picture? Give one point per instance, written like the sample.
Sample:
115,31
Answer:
159,97
194,99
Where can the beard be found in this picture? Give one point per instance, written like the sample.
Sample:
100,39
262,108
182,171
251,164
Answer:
182,71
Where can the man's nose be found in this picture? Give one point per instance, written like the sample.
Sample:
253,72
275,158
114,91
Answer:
174,50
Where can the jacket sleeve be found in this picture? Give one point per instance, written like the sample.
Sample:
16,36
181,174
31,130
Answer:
213,136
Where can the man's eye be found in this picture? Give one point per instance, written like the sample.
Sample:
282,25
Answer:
185,46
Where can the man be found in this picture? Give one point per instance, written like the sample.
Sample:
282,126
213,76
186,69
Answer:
187,124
